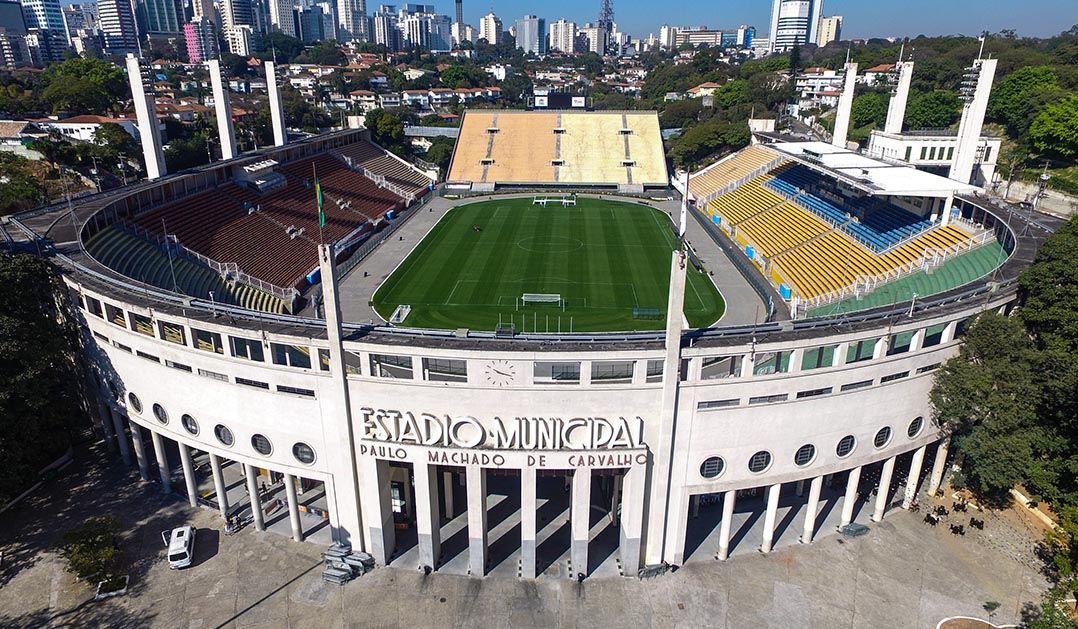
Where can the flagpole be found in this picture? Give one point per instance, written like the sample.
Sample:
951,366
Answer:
318,202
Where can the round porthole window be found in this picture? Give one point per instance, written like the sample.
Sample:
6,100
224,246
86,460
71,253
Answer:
845,446
224,435
136,404
303,453
261,445
712,467
760,462
805,455
915,427
160,413
189,424
883,437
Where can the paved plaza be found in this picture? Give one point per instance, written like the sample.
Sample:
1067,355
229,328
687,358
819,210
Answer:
903,573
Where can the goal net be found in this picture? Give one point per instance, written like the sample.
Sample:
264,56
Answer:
540,298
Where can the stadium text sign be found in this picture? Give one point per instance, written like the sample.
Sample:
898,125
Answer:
516,433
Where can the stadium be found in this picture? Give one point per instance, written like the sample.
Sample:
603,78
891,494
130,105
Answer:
561,362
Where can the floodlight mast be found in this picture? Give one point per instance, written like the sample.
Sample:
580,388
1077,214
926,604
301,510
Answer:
684,210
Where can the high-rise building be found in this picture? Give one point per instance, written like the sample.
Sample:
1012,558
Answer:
441,33
281,16
531,34
490,28
385,29
45,15
594,38
668,36
460,12
13,50
80,16
794,22
200,35
239,26
117,24
563,36
830,30
159,17
311,24
352,20
11,17
463,33
46,46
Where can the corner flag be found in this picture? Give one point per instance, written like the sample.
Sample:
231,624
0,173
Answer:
318,196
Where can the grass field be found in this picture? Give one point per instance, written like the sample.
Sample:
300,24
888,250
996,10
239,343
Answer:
604,258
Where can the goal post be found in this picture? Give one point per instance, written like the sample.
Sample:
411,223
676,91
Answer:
541,298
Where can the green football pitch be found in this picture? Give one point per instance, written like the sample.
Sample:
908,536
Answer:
609,261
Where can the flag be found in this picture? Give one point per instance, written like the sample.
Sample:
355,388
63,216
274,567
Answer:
318,195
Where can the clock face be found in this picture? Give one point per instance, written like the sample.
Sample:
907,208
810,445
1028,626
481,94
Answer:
500,373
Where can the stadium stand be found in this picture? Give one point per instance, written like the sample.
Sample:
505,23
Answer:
472,147
721,174
645,148
746,201
374,159
272,236
781,228
592,149
523,148
146,262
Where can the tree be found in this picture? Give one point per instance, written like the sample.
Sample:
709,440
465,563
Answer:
1050,291
326,53
111,141
19,188
681,113
868,110
83,85
1055,130
441,152
938,109
77,95
283,48
1015,99
734,92
91,549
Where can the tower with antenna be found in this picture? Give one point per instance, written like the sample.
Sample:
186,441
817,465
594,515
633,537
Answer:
606,16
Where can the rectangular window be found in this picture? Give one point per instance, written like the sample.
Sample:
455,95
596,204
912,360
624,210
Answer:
767,363
960,328
295,391
895,376
899,343
323,359
140,324
950,153
148,356
769,399
813,393
445,370
714,404
612,372
252,383
860,350
932,154
179,366
291,355
115,315
208,341
655,371
934,335
122,347
818,357
928,368
94,306
172,332
557,373
853,386
213,375
247,348
388,366
924,152
909,153
101,337
721,367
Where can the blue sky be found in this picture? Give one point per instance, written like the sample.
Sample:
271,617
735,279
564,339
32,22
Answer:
864,18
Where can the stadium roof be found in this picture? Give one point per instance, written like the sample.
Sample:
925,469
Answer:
871,175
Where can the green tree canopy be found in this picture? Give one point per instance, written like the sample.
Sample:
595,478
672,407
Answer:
19,188
441,152
1055,130
869,109
937,109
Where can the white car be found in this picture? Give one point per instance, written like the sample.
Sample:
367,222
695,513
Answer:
181,546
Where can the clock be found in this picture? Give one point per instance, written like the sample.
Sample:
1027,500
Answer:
500,373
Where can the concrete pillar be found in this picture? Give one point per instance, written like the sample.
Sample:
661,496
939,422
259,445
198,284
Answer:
580,521
121,436
914,476
845,106
528,507
293,507
140,450
162,462
632,518
938,466
149,133
280,135
428,524
850,498
800,488
947,205
107,431
448,479
222,105
376,501
615,499
812,510
476,478
896,109
219,486
728,500
256,498
769,517
189,480
884,489
969,129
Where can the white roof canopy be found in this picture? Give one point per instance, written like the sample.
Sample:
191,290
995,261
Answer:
874,176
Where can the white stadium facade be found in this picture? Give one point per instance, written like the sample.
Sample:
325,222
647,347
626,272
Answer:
456,451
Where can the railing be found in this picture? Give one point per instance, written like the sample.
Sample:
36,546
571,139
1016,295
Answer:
766,168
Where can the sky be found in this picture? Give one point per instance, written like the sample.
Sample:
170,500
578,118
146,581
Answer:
863,18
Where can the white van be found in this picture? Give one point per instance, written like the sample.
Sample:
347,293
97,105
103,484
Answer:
181,546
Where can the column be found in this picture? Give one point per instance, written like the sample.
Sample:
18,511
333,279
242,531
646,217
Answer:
800,488
947,210
769,517
528,507
256,498
884,489
428,524
728,500
615,499
851,496
219,486
140,449
812,510
293,507
377,507
162,462
107,431
447,494
189,479
914,476
476,478
121,436
580,521
632,518
938,465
